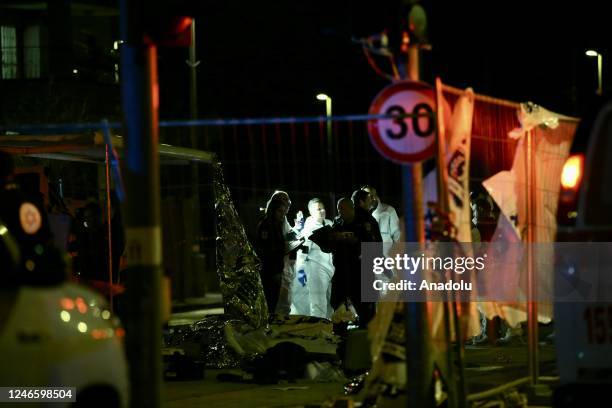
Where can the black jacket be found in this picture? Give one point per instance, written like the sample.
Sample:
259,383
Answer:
366,226
270,247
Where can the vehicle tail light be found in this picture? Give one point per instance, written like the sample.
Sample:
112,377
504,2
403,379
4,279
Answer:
571,176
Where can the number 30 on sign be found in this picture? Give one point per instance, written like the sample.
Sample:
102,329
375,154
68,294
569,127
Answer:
405,139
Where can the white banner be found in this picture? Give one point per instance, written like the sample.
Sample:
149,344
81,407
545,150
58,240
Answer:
551,144
458,137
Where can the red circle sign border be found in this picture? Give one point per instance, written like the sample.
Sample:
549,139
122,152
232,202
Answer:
375,136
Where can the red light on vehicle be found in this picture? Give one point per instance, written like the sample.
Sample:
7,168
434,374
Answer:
97,334
67,303
81,305
571,176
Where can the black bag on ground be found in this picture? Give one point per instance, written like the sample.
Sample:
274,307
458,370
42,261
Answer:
284,361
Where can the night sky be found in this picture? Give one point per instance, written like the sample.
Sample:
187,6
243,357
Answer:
269,58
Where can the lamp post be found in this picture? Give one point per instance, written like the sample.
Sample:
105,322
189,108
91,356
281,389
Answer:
328,114
593,53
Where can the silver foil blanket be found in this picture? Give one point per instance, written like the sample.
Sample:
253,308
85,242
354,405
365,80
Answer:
205,341
238,266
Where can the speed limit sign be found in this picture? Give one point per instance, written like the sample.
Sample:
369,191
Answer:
410,137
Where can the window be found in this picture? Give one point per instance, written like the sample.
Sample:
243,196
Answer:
8,52
31,52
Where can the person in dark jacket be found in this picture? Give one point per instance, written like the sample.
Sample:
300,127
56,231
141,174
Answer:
353,226
363,202
290,235
345,252
271,247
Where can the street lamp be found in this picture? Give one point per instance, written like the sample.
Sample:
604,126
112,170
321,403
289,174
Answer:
593,53
328,113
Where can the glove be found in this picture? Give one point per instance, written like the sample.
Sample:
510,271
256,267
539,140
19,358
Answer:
302,277
299,221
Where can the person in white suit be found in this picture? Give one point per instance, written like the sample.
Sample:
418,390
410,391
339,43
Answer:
317,267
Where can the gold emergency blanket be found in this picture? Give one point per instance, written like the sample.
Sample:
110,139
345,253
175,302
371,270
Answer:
237,264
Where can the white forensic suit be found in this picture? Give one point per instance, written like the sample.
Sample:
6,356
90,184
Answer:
389,225
314,271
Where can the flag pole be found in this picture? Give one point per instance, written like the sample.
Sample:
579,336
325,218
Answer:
532,306
454,354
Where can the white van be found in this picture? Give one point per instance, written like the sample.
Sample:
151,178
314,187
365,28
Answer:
583,331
